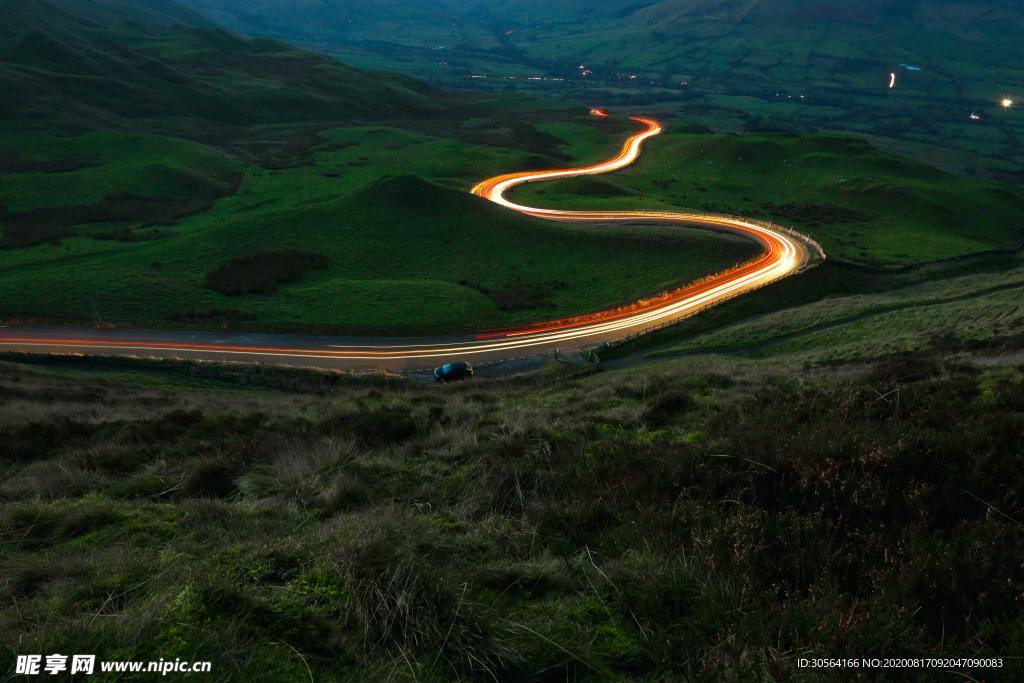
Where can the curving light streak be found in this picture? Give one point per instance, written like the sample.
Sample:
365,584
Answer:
782,255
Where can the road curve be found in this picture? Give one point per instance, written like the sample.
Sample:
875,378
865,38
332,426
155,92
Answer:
784,253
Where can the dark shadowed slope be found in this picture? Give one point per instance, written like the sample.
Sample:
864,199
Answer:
152,13
103,69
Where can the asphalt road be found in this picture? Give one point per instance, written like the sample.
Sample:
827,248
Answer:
784,253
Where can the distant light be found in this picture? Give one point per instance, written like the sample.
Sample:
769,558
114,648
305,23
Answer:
892,80
599,113
975,117
1007,103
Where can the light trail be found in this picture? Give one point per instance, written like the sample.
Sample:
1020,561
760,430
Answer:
783,254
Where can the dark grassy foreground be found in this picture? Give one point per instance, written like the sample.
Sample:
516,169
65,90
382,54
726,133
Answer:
662,524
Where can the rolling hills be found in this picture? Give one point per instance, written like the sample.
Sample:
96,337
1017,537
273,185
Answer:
865,206
153,14
729,64
151,171
403,255
148,149
67,71
165,158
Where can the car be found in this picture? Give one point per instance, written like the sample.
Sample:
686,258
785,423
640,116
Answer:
453,371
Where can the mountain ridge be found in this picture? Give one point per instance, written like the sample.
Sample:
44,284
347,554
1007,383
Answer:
104,68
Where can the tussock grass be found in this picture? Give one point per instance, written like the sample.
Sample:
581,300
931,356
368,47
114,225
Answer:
666,523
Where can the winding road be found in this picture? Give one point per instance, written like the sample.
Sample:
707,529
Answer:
784,253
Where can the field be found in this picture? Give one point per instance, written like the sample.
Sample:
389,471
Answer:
864,205
401,254
452,262
288,525
281,156
151,174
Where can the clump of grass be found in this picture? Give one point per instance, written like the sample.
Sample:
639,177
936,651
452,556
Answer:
663,524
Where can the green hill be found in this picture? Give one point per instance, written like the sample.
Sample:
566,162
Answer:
864,205
218,179
61,69
148,13
373,24
221,179
359,252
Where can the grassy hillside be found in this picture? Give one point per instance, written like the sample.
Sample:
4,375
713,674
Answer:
402,254
57,186
420,22
917,257
968,308
148,13
839,313
864,205
63,70
666,523
412,253
155,175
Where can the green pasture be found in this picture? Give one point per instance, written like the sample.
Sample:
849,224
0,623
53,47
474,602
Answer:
406,254
911,212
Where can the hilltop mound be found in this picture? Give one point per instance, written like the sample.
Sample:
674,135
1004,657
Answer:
430,200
